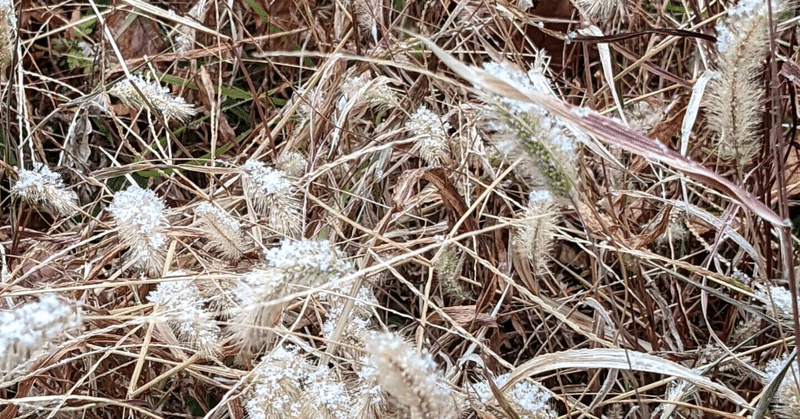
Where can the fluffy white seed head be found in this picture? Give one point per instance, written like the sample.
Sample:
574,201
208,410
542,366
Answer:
44,187
734,99
222,232
778,297
292,163
28,329
258,310
430,136
292,267
535,229
277,380
527,399
410,377
170,106
787,398
142,225
180,305
273,195
366,90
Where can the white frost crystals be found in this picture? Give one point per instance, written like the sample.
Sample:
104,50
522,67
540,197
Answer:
27,329
141,224
171,107
44,187
410,377
529,400
545,146
430,136
180,304
787,397
272,194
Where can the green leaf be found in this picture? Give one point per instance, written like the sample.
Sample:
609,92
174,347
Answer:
261,13
75,59
230,92
84,29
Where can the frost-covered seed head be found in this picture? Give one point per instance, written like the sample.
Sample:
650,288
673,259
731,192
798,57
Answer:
410,377
780,297
180,304
535,230
545,146
787,398
273,195
292,163
45,187
325,395
375,94
528,399
222,231
308,257
140,219
28,329
171,107
277,381
430,135
294,266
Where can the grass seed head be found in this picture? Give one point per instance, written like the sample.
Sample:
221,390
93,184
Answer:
448,270
273,195
170,106
29,328
292,163
294,266
598,10
535,230
734,99
430,136
527,398
8,31
142,226
41,186
369,396
182,306
221,231
276,392
410,377
787,398
545,146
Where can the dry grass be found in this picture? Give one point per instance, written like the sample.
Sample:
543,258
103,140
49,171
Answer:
237,198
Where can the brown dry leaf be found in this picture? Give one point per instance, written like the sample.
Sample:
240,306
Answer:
135,38
437,177
403,195
792,173
464,316
456,208
645,239
601,225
